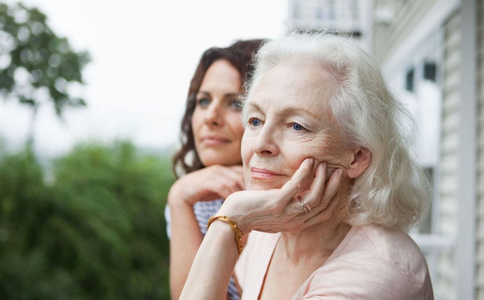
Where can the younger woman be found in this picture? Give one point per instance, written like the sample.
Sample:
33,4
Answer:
209,158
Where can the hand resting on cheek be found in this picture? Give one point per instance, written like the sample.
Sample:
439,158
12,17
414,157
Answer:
279,210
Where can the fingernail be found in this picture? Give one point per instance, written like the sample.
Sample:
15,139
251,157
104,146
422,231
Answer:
310,161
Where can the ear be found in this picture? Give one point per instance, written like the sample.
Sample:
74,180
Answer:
359,161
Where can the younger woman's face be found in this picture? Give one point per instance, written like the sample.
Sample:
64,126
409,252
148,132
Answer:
216,123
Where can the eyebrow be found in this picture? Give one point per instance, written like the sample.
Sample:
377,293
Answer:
254,105
226,95
288,110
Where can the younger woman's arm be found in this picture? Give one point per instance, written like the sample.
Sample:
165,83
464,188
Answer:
205,184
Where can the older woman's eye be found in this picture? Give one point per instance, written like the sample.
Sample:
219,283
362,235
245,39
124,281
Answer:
254,122
297,127
203,102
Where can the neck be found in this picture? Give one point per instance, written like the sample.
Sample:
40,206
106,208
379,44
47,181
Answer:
315,242
318,241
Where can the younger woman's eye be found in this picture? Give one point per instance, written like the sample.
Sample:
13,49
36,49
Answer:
236,104
203,102
254,122
297,127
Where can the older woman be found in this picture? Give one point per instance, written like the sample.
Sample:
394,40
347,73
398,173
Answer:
330,184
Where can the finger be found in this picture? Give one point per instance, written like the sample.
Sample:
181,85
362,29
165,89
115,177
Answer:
316,165
334,166
317,186
323,194
296,208
233,185
215,193
236,176
220,185
210,196
233,173
330,188
293,186
307,181
236,173
324,214
239,171
333,184
312,196
225,191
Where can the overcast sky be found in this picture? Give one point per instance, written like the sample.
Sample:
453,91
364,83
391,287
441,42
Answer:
144,53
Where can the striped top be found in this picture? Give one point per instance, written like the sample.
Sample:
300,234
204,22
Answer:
203,211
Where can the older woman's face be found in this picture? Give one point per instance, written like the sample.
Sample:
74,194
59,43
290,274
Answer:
286,123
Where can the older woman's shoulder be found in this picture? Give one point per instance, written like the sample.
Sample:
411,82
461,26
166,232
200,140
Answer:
387,245
373,262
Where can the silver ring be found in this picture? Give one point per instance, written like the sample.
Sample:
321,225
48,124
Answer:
304,205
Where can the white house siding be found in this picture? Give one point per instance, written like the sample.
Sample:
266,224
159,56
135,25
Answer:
480,154
404,17
444,283
387,38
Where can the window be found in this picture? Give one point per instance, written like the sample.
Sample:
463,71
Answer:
417,82
409,80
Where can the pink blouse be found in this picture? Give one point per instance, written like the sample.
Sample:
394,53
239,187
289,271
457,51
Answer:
372,262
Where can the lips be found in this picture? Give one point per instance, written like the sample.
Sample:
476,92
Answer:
257,173
214,140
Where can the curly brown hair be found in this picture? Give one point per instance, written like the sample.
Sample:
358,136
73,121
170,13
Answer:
239,55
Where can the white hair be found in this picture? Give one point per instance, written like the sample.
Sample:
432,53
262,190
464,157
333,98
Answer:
393,191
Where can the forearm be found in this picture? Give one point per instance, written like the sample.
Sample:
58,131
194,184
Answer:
185,241
213,264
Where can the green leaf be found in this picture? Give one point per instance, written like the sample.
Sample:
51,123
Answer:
47,58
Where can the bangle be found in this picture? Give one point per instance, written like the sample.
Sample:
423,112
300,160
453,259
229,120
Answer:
233,225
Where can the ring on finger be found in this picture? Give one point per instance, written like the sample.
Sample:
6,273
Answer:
304,205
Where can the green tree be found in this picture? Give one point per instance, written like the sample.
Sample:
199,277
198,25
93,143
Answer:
24,206
36,65
95,231
118,195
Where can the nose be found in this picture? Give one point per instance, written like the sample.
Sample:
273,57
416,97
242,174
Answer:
267,141
214,115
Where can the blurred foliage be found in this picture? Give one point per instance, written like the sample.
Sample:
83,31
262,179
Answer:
35,64
95,230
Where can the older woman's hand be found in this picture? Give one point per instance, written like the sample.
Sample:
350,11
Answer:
279,209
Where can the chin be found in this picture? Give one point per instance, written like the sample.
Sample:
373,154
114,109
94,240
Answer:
261,185
219,160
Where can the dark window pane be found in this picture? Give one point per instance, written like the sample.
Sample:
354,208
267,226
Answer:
409,79
430,70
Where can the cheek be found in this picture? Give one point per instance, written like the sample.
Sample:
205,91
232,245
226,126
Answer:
295,154
235,123
314,147
246,150
246,153
197,121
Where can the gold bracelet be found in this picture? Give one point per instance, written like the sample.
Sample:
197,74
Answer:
233,225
